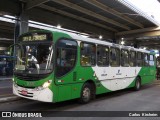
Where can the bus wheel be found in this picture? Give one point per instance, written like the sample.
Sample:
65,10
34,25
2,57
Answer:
86,94
137,84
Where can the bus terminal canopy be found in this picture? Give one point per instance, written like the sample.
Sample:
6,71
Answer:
113,19
114,15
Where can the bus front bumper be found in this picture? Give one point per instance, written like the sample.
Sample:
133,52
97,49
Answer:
45,95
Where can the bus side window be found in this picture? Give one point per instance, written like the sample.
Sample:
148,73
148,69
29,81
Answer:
124,58
114,57
151,60
102,55
88,54
132,58
139,59
146,59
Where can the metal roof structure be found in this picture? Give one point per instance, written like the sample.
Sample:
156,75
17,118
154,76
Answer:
111,18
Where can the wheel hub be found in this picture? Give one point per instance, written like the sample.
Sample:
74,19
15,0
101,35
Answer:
86,93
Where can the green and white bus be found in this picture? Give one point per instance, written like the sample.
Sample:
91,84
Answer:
59,66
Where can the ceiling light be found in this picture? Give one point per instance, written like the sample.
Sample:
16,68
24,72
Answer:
100,37
122,42
59,26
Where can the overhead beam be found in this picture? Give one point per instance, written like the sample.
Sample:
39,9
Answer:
150,42
76,17
113,12
149,32
138,31
90,13
6,28
2,23
6,34
33,3
54,19
145,34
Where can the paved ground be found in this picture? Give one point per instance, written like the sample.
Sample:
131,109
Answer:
147,99
5,86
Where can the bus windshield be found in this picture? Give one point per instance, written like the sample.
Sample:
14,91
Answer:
34,58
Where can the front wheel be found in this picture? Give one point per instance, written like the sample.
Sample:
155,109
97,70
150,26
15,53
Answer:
137,84
85,93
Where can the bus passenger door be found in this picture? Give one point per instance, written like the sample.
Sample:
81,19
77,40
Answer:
65,68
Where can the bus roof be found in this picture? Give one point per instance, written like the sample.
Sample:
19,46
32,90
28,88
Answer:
93,40
97,41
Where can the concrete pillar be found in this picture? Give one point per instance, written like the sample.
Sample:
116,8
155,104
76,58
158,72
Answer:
136,44
16,30
115,39
23,23
21,26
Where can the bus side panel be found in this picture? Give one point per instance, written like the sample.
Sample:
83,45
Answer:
147,74
101,89
64,92
88,73
76,90
67,92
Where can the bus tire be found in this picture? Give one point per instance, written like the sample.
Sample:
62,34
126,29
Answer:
137,84
86,93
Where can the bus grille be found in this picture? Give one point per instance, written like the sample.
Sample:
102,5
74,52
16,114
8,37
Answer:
27,95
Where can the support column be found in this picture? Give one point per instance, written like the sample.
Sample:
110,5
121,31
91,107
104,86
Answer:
136,44
115,39
23,23
16,29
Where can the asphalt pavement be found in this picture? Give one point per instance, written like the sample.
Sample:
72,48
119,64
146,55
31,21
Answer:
6,89
147,99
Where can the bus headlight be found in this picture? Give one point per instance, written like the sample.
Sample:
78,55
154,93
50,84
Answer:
47,84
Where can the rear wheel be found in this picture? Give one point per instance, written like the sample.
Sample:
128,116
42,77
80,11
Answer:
137,84
86,93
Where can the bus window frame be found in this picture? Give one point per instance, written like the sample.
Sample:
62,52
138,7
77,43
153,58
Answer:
144,65
111,47
152,60
95,54
135,60
121,57
107,56
142,58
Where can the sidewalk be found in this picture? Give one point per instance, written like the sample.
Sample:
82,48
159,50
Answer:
5,78
6,94
8,98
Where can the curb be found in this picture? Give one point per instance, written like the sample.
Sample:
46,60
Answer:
6,99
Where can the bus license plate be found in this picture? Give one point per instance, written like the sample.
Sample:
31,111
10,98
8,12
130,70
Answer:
24,92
